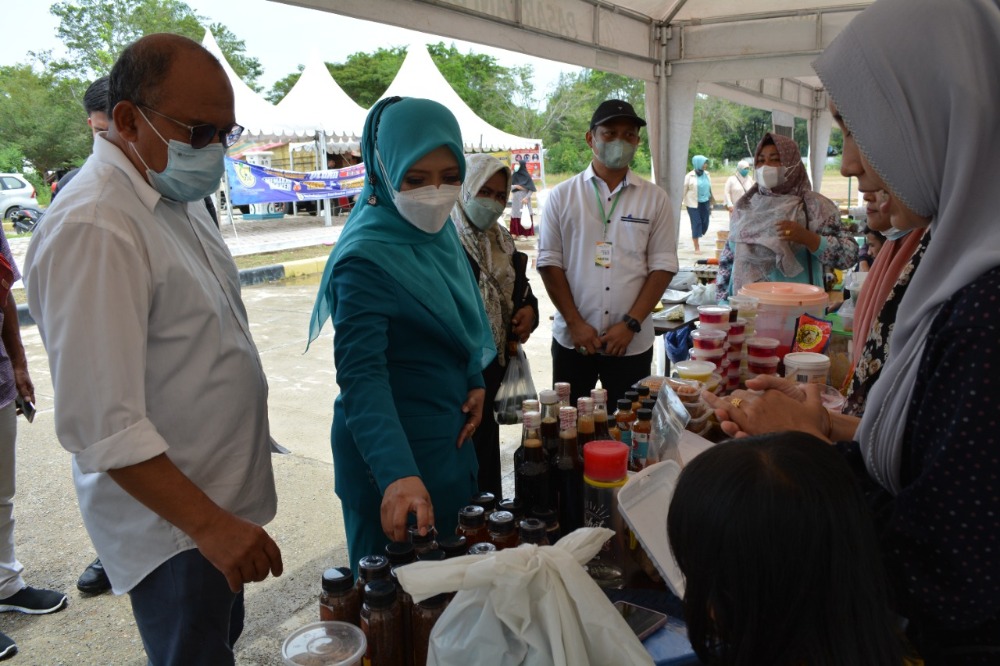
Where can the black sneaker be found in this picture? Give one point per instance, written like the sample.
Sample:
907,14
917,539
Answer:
94,579
34,602
7,647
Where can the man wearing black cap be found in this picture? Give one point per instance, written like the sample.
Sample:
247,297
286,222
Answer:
607,250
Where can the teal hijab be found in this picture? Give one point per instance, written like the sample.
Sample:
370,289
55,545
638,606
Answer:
429,266
704,184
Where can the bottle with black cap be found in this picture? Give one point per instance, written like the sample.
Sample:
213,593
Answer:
423,617
486,500
454,546
503,530
533,531
423,542
382,622
551,520
513,505
339,601
472,524
400,553
371,567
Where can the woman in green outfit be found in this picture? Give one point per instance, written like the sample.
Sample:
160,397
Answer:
411,336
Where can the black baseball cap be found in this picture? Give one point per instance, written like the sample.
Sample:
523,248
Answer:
612,109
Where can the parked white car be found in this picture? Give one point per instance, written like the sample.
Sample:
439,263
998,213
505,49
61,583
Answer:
15,192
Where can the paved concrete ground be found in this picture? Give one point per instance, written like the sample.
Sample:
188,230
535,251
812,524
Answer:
54,547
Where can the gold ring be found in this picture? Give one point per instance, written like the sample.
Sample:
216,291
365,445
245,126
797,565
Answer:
788,232
736,402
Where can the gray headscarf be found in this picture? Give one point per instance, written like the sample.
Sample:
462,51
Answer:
916,84
491,249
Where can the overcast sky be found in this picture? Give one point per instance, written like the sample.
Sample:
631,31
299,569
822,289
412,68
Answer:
279,36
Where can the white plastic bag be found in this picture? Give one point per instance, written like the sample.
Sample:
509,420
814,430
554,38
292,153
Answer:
702,294
528,605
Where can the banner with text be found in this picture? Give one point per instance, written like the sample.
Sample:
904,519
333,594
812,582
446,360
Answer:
252,184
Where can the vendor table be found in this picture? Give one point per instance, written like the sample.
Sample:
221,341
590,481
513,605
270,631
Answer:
661,362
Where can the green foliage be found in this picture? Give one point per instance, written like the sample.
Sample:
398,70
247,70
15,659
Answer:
43,117
11,158
95,32
366,76
283,86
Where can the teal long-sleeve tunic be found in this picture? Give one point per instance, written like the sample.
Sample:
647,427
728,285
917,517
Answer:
402,386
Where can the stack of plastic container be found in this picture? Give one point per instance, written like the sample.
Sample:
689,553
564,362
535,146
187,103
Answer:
713,318
746,309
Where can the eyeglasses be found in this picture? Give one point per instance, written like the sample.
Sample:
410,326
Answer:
202,135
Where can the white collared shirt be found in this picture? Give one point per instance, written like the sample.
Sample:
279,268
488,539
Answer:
643,236
138,304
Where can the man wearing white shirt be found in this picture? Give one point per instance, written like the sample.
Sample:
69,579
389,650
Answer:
159,390
607,250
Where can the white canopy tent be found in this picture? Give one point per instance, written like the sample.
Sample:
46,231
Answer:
259,117
756,53
418,76
317,101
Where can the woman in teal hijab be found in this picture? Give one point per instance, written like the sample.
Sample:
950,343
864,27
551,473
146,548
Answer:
411,337
698,198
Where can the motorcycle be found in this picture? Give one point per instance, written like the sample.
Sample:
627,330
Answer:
25,219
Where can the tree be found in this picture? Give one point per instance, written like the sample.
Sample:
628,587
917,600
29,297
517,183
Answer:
366,76
281,87
95,32
43,117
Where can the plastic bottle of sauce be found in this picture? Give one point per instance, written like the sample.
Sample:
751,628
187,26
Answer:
624,417
549,432
472,524
531,466
405,606
486,500
569,472
399,553
503,530
633,397
551,520
423,616
585,422
641,430
454,546
605,470
643,391
514,506
647,403
339,600
562,390
422,542
482,548
600,398
382,622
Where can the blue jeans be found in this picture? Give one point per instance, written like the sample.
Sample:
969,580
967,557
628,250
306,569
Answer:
699,218
186,613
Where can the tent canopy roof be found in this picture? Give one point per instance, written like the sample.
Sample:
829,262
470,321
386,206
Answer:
317,101
419,77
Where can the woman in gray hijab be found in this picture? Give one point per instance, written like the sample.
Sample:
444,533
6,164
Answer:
914,87
501,272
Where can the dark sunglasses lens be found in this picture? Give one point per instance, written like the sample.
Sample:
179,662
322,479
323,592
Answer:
233,136
202,135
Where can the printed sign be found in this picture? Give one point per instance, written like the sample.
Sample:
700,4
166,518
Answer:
252,184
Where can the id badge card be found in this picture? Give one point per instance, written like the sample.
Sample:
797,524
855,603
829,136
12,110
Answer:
603,257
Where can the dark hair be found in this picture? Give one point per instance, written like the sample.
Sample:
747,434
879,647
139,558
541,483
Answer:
142,67
780,556
96,97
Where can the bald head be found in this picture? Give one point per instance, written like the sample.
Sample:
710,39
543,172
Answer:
143,68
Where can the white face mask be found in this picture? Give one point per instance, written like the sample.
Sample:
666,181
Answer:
427,208
770,176
892,233
616,154
483,212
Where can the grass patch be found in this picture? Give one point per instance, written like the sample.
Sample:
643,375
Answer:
282,256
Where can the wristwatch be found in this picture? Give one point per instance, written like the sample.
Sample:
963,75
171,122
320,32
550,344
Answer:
632,323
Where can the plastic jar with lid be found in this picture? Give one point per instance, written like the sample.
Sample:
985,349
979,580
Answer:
405,607
482,548
503,530
551,519
370,568
486,500
454,546
605,471
339,601
435,555
513,505
533,531
423,616
472,524
382,622
422,542
399,553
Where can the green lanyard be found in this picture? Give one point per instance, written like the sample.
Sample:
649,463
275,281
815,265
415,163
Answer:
606,218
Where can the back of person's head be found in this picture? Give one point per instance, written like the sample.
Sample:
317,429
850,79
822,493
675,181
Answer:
95,99
780,557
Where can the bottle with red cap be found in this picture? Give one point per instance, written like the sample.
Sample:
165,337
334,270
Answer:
605,471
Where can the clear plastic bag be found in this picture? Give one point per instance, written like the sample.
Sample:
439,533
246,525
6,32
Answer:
515,388
670,417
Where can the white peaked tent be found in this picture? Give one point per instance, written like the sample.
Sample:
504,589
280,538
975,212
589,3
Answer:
317,101
420,77
260,118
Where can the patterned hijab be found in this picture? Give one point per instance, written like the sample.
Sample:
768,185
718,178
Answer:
796,182
429,266
491,249
921,101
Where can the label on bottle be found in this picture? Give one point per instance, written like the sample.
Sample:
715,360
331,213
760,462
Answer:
626,435
640,447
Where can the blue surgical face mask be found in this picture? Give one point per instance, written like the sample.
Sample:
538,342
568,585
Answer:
614,154
191,174
483,212
743,172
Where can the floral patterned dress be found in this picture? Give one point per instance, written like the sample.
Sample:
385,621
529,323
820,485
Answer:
876,349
